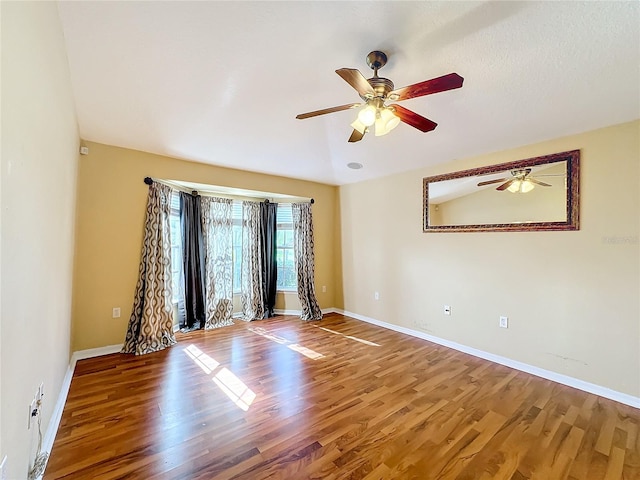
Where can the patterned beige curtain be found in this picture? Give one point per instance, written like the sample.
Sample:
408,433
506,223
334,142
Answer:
252,294
303,251
151,323
217,225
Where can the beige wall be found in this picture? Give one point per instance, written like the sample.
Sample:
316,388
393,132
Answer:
111,207
39,166
571,297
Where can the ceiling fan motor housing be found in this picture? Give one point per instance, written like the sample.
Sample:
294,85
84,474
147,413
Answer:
381,86
523,172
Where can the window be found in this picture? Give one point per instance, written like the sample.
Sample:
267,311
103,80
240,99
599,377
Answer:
176,246
285,260
236,214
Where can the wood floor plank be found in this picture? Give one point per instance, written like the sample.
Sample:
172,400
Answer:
333,400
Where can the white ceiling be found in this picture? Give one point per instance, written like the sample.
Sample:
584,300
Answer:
222,82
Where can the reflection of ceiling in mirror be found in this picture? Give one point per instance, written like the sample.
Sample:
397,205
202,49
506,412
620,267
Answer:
446,190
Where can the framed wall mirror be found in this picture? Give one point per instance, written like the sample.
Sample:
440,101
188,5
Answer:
540,193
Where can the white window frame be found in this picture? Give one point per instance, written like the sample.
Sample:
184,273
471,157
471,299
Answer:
284,222
176,246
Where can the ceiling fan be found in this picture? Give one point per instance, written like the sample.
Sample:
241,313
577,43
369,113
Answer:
520,182
376,91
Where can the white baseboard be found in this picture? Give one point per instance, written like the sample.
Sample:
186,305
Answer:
56,416
94,352
523,367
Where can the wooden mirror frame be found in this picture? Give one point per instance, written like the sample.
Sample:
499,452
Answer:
572,159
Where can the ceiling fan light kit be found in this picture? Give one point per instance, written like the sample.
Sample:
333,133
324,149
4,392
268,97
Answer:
520,182
359,126
367,116
521,186
376,90
386,121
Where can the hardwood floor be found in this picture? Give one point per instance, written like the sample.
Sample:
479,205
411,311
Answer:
336,399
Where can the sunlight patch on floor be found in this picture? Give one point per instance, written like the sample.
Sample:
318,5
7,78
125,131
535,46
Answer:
204,361
350,337
271,336
235,388
225,379
307,352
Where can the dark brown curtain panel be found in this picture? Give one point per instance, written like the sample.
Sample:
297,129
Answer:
268,244
151,324
193,261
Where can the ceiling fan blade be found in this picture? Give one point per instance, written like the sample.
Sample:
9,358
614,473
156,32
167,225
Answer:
435,85
354,78
489,182
538,182
506,185
356,136
412,118
327,110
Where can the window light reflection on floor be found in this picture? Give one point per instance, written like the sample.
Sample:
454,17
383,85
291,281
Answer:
204,361
366,342
235,389
307,352
226,381
271,336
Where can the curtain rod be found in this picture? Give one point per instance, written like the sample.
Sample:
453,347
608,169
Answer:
149,181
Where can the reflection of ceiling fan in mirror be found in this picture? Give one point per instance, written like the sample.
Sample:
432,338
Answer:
376,91
521,182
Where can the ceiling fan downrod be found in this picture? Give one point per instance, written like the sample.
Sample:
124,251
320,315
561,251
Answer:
381,86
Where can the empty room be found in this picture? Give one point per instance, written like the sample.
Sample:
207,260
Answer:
320,240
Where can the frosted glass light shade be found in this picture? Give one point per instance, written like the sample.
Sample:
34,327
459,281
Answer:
526,186
521,186
386,122
367,115
359,126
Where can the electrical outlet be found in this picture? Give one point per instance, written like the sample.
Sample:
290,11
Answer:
504,322
376,295
116,312
324,289
447,310
33,407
